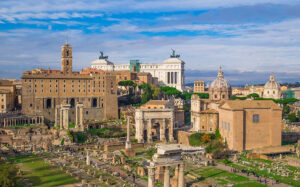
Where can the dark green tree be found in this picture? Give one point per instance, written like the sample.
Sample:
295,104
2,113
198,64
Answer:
218,134
8,174
292,117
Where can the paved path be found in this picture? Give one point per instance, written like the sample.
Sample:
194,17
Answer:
270,182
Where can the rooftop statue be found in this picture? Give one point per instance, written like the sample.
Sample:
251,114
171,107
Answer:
173,55
101,56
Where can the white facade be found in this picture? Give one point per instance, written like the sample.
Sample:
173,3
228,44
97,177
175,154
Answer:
169,73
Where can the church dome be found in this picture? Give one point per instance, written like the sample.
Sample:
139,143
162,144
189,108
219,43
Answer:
220,82
272,84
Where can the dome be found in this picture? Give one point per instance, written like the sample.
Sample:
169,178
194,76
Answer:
220,82
272,84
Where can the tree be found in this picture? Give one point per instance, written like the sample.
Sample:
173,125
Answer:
8,175
286,110
206,138
217,148
203,95
253,95
218,134
292,117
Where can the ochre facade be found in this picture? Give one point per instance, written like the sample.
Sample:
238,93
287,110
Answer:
43,90
250,124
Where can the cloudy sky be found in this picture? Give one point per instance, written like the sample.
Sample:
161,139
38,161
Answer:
250,39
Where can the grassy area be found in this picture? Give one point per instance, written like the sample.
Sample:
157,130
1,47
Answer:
108,132
223,177
40,173
287,180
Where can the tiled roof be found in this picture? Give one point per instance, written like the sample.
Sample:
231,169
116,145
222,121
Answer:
249,104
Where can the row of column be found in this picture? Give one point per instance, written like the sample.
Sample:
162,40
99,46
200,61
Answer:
10,122
62,116
179,174
172,77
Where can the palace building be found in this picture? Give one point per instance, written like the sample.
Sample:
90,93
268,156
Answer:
169,73
44,90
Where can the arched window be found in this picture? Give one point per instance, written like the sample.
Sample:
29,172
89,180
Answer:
223,96
67,52
67,62
216,96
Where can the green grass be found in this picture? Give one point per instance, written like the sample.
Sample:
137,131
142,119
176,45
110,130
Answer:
108,132
224,177
287,180
72,125
40,173
249,184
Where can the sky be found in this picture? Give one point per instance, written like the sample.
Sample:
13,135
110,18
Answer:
250,39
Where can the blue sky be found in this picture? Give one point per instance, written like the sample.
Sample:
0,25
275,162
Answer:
249,38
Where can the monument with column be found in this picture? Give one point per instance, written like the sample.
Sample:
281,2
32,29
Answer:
129,151
167,156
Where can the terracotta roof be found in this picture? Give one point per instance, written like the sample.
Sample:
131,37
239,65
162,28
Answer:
209,111
157,102
249,104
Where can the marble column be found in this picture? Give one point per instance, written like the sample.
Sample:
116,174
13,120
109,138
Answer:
140,125
181,175
56,117
167,177
128,142
163,130
61,118
151,176
76,116
88,161
149,131
171,125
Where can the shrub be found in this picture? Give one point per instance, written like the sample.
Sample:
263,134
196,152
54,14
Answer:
195,139
206,138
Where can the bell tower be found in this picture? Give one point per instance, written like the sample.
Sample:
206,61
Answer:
66,58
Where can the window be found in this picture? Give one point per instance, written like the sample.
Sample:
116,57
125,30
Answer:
256,118
228,126
216,96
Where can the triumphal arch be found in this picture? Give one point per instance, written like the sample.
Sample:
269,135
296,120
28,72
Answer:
155,121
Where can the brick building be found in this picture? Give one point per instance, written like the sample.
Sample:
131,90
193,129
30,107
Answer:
7,96
44,90
250,124
199,86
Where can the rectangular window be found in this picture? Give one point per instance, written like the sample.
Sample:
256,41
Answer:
255,118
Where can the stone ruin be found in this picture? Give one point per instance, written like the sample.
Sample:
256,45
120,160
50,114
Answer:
167,156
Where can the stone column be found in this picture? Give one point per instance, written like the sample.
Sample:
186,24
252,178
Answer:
128,142
167,177
88,162
76,116
61,118
56,117
181,175
163,130
81,117
66,119
171,124
149,131
151,175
